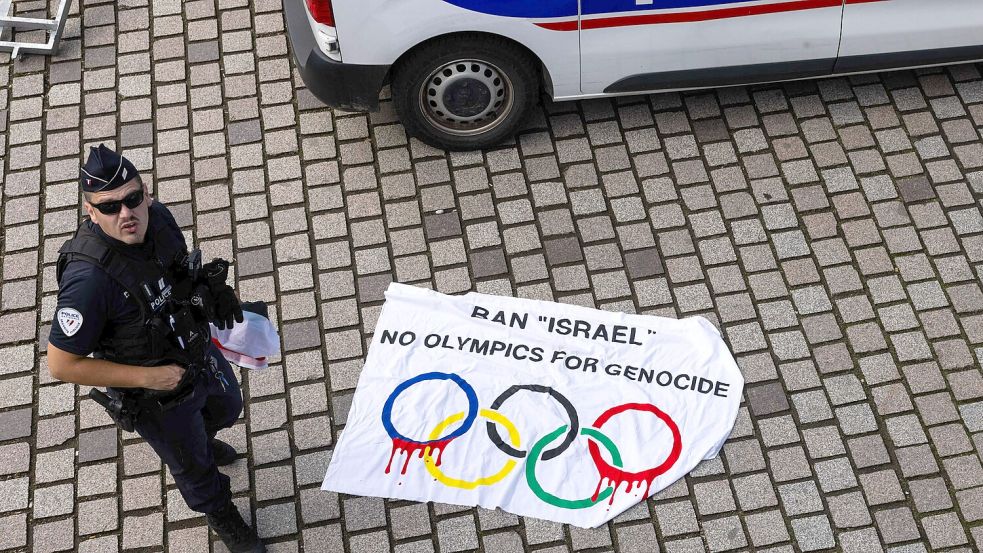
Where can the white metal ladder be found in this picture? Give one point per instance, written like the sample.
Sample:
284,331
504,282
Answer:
54,27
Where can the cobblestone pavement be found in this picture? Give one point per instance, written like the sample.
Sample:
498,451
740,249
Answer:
832,229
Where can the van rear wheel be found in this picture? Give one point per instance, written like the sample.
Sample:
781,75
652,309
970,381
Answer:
464,96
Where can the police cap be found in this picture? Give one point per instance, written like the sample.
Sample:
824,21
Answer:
105,170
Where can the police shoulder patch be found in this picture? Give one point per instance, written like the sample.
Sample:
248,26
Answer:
70,320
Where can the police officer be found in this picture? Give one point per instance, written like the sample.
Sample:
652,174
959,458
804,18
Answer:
133,296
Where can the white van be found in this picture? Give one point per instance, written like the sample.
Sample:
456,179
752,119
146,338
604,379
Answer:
465,72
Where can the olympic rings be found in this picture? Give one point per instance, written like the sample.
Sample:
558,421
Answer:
547,497
612,473
432,467
615,474
560,398
387,409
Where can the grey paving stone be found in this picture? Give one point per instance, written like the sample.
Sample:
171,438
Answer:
14,531
329,536
896,525
139,458
856,419
915,189
421,546
944,530
276,520
868,451
15,424
584,538
504,541
860,540
788,464
410,521
964,471
971,504
849,510
744,456
835,474
688,545
301,335
269,448
54,536
274,483
724,534
143,531
13,494
97,516
98,445
714,497
542,531
754,492
930,495
800,498
643,263
766,528
488,263
775,431
563,250
50,501
442,225
639,538
16,457
676,518
364,512
767,399
813,533
141,493
950,439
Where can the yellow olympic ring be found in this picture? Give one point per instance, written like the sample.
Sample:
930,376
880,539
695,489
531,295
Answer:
486,481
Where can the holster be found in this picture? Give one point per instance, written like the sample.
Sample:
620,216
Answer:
122,410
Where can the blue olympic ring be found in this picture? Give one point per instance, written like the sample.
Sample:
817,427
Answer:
387,410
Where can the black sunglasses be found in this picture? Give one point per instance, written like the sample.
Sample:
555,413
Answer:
132,200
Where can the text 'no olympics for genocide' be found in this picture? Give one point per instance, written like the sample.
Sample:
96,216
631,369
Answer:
522,352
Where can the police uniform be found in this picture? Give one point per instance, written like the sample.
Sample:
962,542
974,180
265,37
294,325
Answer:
135,305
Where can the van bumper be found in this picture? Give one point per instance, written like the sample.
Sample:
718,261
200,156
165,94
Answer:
339,85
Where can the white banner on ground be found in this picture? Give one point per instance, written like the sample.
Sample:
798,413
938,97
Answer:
543,409
249,344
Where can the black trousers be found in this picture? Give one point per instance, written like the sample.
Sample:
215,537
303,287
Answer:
182,436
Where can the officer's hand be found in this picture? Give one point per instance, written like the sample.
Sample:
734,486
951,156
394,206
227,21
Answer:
215,273
227,309
203,302
164,378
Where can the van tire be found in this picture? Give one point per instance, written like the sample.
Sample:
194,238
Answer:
489,70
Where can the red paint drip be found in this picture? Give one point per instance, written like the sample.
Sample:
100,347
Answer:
420,448
616,480
616,476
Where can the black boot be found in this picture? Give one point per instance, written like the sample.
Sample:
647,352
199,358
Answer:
224,453
234,532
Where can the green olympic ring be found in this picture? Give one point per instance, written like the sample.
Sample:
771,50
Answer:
547,497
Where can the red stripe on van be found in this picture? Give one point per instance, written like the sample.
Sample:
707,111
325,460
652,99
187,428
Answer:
694,16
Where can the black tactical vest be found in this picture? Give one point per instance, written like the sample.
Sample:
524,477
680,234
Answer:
151,281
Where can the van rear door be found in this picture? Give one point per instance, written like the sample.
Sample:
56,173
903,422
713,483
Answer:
907,33
641,45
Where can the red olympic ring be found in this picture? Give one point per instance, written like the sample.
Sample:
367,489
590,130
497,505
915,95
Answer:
617,475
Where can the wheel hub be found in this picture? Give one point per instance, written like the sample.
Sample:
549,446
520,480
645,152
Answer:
466,97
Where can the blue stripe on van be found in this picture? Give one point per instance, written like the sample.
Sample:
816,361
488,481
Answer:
595,7
542,9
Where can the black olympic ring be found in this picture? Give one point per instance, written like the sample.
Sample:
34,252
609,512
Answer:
560,398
